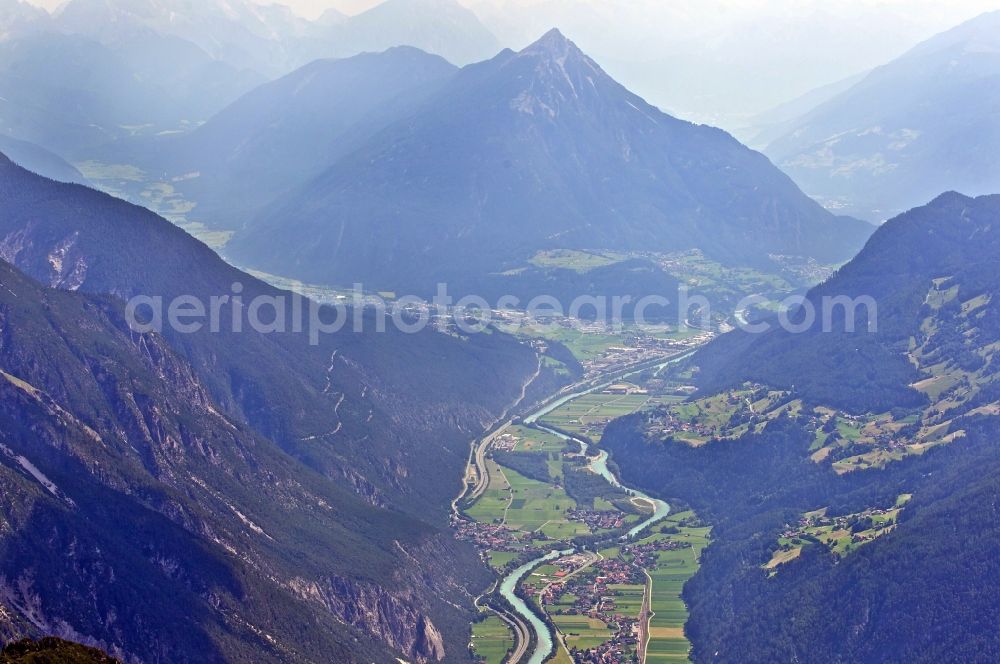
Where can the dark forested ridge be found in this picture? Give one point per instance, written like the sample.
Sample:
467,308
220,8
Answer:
950,245
925,590
106,246
923,593
269,486
52,651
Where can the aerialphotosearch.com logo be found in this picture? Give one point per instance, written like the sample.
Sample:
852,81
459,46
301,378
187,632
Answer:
276,312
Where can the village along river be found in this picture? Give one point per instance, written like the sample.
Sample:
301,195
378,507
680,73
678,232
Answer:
544,645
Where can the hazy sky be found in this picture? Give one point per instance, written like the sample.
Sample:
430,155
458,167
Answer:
717,61
951,9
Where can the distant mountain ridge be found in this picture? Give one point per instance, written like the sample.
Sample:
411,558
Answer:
529,151
273,40
71,94
926,122
442,27
143,69
39,160
286,132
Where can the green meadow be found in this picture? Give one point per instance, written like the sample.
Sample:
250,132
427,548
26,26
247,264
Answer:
491,639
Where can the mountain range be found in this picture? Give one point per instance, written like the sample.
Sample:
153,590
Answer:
531,151
277,486
287,132
270,39
98,73
441,27
919,125
240,492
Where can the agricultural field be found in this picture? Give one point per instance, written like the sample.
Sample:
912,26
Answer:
533,440
541,507
698,271
491,640
584,344
582,632
588,415
667,642
525,504
493,504
852,443
628,598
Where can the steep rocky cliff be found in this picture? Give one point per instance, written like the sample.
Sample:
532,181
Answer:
230,497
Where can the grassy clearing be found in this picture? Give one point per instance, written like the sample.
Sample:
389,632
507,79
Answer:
578,261
499,559
492,505
841,535
695,269
533,440
492,640
726,415
584,345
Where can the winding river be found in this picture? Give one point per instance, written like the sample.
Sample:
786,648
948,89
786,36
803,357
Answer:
599,464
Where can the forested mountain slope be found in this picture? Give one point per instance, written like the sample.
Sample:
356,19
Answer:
851,478
281,489
932,274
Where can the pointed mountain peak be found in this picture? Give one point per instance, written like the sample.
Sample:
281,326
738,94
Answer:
552,43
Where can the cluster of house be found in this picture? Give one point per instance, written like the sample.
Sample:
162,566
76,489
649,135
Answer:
636,349
664,424
593,597
646,555
622,648
488,536
505,442
597,520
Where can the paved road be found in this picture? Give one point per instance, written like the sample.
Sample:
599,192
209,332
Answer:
645,617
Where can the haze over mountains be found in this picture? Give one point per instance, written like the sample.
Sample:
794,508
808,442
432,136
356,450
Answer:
229,494
271,40
922,124
533,151
287,132
72,95
150,67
